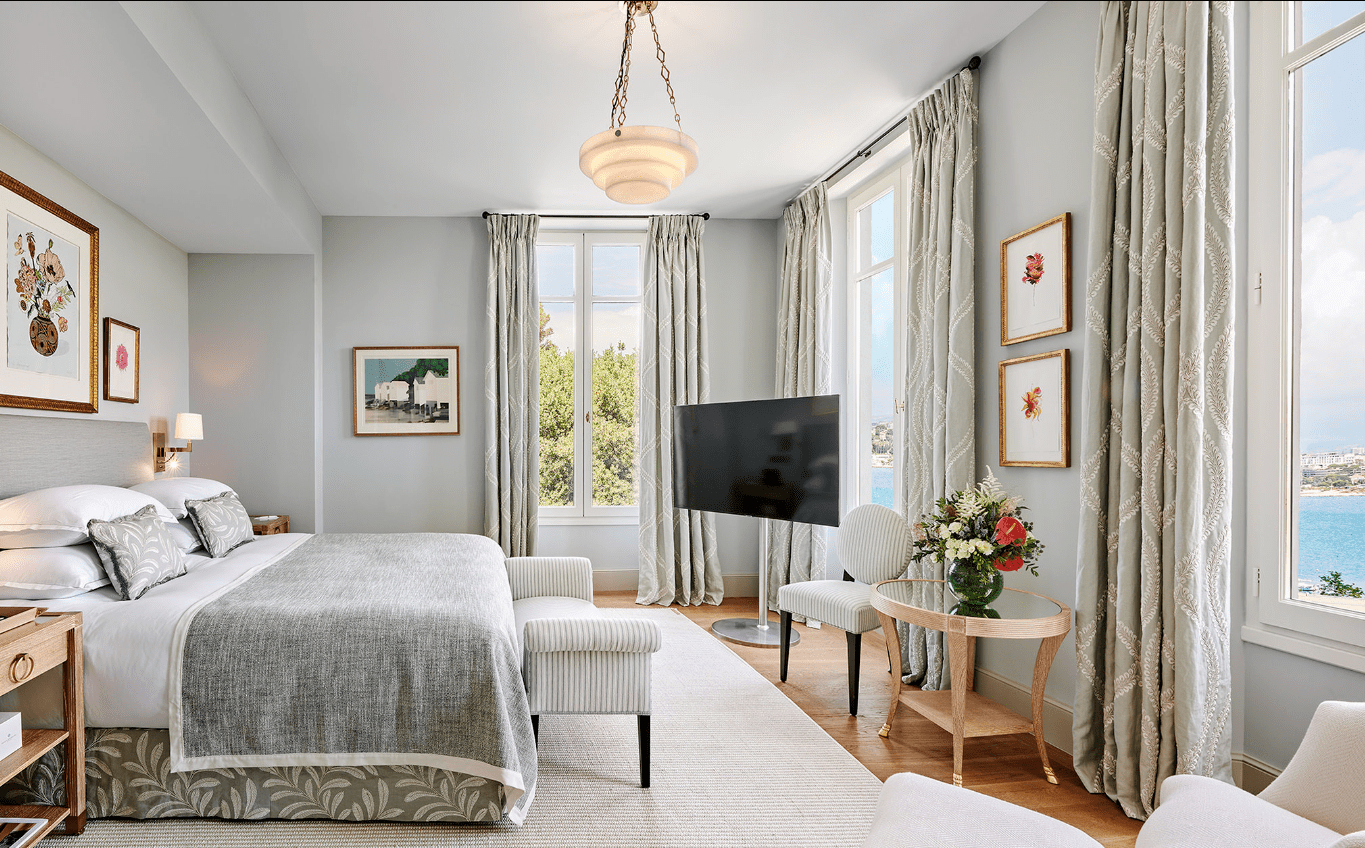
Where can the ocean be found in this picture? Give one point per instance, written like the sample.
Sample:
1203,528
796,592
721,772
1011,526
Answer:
1332,537
882,479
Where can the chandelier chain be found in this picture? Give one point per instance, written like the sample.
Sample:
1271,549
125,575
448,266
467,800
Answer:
663,71
618,101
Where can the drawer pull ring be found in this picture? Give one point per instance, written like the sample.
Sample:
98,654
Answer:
26,662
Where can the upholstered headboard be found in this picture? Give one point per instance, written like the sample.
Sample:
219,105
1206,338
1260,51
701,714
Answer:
36,453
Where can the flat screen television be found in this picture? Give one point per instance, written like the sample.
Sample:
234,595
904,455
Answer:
765,458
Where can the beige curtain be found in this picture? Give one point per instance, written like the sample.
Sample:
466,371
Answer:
796,552
512,385
1152,643
678,562
938,442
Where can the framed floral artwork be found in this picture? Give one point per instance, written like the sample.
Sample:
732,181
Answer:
122,361
406,391
1035,282
51,325
1035,410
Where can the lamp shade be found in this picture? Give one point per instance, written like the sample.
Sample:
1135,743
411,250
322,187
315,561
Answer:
189,426
638,164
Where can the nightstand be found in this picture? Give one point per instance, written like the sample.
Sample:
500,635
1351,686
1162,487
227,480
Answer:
26,652
269,525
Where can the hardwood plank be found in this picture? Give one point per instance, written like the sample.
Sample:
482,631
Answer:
35,744
1004,767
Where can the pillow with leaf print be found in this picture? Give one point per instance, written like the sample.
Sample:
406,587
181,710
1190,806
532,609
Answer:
137,552
222,523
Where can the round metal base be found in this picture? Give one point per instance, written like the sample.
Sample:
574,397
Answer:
746,631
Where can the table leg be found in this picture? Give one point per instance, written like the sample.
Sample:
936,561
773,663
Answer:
893,641
957,665
1046,652
971,664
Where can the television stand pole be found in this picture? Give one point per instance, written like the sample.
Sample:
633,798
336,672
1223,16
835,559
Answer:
759,632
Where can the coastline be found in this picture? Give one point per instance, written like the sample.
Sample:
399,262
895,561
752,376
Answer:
1356,492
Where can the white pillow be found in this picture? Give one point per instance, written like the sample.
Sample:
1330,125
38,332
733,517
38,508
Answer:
38,573
52,518
173,491
184,535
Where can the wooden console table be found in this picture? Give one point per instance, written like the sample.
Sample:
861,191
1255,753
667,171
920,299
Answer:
963,712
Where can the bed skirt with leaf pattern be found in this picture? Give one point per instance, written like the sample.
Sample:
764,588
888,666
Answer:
128,775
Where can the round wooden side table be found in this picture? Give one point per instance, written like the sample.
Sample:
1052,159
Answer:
961,711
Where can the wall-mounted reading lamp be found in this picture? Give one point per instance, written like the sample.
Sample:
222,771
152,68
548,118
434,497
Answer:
189,426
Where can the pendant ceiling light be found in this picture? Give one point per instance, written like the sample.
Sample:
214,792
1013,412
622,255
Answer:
638,164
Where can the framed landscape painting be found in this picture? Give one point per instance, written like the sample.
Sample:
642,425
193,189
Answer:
51,326
122,361
1035,282
1035,410
406,391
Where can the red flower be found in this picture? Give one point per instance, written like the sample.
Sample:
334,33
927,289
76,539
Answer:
121,358
1012,564
1008,531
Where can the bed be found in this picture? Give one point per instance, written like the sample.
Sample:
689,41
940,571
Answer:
340,676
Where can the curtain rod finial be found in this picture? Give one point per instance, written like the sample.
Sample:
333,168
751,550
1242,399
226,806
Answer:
973,63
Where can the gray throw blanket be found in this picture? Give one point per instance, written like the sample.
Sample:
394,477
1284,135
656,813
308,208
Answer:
360,650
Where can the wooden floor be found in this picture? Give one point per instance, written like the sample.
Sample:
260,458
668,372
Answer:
1006,767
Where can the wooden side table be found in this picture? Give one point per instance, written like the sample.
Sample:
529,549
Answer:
26,652
963,712
269,525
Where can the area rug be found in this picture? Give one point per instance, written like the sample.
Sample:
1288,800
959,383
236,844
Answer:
735,763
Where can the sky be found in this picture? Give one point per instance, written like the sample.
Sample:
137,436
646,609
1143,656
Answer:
1332,309
615,272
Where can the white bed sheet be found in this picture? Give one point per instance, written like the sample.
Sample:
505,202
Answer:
128,643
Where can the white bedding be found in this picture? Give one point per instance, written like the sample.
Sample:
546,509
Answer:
128,643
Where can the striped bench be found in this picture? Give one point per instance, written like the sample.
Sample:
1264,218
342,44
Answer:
574,659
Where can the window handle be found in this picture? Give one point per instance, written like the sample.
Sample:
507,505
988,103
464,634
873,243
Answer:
587,416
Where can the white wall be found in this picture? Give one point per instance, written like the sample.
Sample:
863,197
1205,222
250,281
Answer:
142,281
1037,114
252,378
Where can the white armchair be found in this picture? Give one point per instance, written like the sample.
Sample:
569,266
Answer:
1318,802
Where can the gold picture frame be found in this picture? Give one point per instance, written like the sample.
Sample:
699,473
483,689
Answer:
122,361
405,390
1035,430
1035,282
49,335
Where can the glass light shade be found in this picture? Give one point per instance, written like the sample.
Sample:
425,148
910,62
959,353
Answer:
189,426
638,164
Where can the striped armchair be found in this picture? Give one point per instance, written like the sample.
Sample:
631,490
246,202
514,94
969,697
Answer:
874,543
574,659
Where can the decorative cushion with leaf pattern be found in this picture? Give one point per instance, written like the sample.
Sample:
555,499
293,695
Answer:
137,552
222,523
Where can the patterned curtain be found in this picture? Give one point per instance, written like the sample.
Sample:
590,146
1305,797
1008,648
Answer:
512,385
1152,644
938,442
678,559
796,552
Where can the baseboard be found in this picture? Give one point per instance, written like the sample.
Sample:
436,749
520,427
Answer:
1008,693
628,579
1252,774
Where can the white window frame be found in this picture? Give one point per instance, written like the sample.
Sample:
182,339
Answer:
860,436
583,511
1274,617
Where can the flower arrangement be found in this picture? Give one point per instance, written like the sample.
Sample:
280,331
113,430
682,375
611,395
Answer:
42,287
981,529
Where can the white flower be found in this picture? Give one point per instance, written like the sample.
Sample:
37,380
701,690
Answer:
955,527
983,546
968,505
943,531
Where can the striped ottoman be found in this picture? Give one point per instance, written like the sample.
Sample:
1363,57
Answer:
574,659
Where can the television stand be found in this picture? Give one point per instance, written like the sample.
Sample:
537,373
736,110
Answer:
755,632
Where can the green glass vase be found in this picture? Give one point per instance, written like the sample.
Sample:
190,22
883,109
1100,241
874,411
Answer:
975,588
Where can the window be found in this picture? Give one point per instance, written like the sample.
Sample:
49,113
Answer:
876,339
589,286
1306,390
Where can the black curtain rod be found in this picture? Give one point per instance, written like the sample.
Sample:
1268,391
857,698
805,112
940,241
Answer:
972,64
705,216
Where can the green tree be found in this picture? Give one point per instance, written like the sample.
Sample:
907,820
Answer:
615,382
556,420
1334,586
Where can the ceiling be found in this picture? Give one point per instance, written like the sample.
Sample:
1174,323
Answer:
449,109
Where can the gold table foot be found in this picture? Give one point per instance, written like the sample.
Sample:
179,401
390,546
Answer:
957,779
1051,778
885,731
